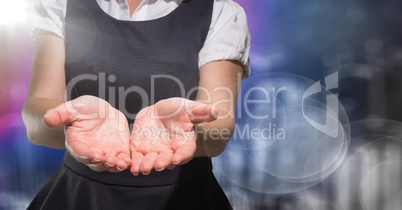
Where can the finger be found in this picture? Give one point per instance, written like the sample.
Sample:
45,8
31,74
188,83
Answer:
172,166
200,112
183,155
83,154
163,161
97,167
110,161
94,157
125,158
147,162
136,159
122,163
114,170
58,116
149,147
100,167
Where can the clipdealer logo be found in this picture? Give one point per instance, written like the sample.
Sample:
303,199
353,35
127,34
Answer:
331,126
270,131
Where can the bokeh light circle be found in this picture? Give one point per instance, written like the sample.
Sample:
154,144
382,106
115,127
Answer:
382,184
369,178
304,158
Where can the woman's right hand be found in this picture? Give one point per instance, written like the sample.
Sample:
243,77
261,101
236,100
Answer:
96,133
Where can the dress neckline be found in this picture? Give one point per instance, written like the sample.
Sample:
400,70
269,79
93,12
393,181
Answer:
99,9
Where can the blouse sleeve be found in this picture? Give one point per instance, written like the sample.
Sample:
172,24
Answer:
228,37
48,15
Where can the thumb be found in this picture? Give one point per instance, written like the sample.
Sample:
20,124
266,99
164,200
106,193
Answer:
58,116
200,113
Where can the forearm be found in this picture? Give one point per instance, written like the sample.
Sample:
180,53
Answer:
213,137
38,133
219,85
46,89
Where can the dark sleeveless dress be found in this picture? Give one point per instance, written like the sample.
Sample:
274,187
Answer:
133,64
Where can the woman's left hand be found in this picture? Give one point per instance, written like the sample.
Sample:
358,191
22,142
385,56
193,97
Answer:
164,134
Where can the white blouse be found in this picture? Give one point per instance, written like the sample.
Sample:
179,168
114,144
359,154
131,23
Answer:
228,37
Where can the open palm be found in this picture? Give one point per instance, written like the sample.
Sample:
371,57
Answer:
96,133
164,134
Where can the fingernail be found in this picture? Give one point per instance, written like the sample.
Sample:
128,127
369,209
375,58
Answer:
120,169
214,111
146,173
108,165
159,169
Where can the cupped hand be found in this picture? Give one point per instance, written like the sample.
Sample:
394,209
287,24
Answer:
164,134
96,133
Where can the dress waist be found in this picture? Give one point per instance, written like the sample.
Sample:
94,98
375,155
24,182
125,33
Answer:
195,168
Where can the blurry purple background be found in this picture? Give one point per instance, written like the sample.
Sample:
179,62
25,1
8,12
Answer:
23,167
294,44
